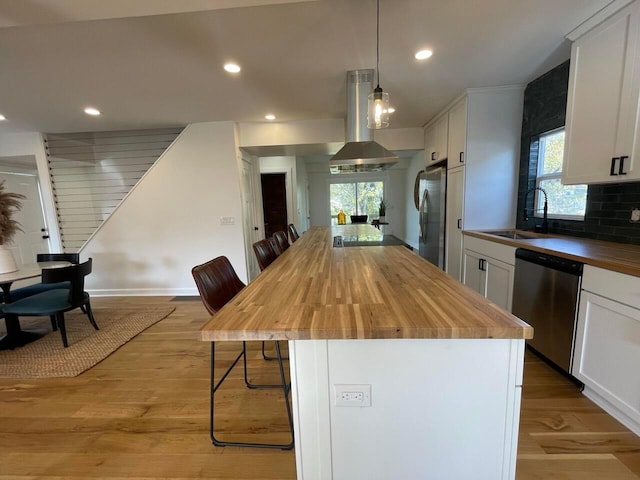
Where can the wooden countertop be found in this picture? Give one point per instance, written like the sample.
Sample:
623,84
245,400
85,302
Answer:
618,257
315,291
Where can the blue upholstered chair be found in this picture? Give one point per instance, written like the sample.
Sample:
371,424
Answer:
29,290
54,303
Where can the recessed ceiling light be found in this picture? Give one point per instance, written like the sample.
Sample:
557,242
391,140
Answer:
2,117
92,111
270,116
232,67
423,54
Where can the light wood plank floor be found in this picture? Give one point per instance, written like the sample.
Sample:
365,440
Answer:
143,413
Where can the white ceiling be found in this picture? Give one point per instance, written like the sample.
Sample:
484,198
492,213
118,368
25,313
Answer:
147,63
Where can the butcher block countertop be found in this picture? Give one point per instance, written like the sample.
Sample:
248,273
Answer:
316,291
618,257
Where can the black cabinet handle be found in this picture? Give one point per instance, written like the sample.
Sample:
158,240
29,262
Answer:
45,236
482,264
461,157
433,156
459,224
613,166
479,264
621,169
256,228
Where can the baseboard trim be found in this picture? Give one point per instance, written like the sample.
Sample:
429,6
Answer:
612,410
143,292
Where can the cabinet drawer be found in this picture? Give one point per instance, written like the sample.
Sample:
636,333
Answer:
504,253
616,286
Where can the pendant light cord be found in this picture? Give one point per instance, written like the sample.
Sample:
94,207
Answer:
378,41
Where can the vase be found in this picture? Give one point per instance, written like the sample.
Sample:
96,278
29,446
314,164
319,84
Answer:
7,260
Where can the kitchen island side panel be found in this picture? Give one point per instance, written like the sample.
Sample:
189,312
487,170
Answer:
440,408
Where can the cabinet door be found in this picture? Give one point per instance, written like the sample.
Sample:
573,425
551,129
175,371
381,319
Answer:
499,283
441,137
457,134
602,102
607,353
436,138
473,276
454,222
429,145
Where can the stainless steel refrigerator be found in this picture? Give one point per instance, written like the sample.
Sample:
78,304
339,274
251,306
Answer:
433,188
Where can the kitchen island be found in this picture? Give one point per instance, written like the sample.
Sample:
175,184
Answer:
440,366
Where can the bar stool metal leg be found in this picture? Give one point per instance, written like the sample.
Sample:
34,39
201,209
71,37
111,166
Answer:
286,388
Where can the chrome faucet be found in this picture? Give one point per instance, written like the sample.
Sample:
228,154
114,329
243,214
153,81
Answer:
544,227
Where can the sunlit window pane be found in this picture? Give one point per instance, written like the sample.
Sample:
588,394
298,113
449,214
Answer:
563,200
357,198
551,152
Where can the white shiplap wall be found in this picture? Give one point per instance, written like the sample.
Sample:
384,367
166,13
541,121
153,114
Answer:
91,172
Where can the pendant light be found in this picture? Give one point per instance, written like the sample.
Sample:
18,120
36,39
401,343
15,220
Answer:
378,105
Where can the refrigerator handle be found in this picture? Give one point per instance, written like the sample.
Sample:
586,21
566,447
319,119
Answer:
424,214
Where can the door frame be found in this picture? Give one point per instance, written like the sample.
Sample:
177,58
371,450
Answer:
292,215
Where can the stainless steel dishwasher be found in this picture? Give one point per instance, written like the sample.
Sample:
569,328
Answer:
545,295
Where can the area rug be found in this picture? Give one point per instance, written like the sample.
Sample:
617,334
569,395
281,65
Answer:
46,357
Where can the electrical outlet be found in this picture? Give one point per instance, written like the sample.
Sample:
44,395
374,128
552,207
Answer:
352,395
227,220
635,215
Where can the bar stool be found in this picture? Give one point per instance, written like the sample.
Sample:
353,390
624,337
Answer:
218,283
265,254
281,242
293,233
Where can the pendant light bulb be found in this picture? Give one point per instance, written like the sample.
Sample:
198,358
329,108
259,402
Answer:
378,109
378,105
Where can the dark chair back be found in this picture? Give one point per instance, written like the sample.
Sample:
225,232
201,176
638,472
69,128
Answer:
359,218
217,283
281,241
74,274
58,257
293,233
274,245
265,253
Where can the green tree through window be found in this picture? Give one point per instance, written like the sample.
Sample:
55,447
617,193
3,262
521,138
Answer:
355,198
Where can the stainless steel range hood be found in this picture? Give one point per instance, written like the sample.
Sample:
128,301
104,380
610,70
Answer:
360,153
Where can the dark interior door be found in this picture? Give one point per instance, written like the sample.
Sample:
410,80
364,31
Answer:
274,202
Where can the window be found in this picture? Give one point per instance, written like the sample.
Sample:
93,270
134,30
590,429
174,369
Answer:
355,198
564,201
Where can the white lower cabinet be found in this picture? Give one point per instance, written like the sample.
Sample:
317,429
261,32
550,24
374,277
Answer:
607,349
488,268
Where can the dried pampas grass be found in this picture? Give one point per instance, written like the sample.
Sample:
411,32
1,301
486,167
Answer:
9,204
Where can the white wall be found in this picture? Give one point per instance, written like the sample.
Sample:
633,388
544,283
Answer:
412,228
32,144
302,181
169,222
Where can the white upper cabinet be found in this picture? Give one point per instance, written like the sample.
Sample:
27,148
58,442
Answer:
457,134
435,139
602,105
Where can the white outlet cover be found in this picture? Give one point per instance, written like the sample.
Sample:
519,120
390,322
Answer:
352,395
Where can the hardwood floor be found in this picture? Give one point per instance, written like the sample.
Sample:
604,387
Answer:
143,413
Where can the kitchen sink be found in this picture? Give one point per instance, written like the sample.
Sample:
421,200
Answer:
513,234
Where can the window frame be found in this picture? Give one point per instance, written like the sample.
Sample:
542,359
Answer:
538,201
333,218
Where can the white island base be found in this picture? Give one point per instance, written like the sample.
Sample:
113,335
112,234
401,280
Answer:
441,409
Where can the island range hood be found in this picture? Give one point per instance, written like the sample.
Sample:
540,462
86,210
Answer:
360,153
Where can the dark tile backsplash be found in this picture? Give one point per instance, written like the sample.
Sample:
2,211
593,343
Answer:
608,206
